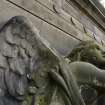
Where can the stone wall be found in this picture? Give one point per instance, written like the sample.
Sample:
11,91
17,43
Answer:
62,22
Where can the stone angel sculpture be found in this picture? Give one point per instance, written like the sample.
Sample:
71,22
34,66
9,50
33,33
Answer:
32,72
27,66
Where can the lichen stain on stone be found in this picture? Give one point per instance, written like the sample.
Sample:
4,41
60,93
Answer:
27,101
42,101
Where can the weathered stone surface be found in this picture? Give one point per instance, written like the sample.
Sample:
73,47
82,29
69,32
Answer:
32,90
7,101
88,93
3,62
21,61
17,65
17,87
29,50
2,83
93,53
35,59
8,51
9,37
36,70
88,51
22,54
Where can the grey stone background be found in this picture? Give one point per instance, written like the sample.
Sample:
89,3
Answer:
59,21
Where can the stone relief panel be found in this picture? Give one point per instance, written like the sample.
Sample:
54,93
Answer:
32,72
29,68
